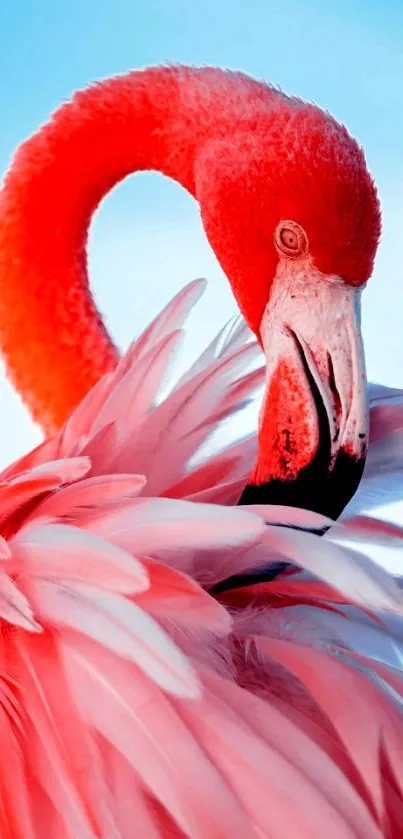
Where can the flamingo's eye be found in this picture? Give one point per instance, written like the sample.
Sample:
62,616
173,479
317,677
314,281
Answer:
290,239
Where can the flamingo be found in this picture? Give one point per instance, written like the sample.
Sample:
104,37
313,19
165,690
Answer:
174,663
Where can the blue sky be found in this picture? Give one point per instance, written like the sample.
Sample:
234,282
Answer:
346,56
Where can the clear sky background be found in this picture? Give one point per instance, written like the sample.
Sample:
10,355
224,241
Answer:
146,240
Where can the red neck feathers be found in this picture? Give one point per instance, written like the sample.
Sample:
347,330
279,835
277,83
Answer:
53,339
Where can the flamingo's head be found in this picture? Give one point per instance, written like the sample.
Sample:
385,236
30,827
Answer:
292,214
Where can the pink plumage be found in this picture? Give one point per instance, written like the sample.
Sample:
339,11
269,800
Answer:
140,704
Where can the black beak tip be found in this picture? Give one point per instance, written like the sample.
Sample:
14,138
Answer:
314,489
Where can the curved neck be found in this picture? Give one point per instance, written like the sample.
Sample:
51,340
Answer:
54,342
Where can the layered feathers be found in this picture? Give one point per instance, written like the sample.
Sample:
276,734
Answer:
132,700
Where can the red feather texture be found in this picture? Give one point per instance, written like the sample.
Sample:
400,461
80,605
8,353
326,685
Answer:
131,700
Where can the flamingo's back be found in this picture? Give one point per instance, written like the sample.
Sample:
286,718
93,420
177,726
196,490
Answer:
133,701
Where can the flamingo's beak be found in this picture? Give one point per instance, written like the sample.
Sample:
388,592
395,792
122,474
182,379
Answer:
313,430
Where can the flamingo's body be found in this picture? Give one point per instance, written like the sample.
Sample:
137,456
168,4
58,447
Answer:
156,680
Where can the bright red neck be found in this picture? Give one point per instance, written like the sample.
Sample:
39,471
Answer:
53,339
